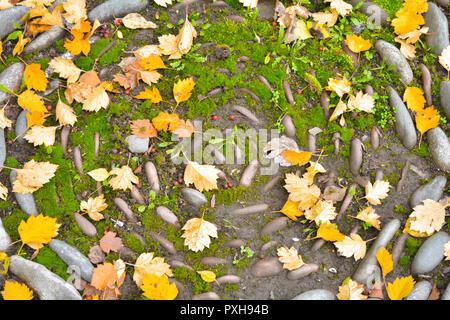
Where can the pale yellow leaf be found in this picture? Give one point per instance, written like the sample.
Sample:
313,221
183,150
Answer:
204,177
66,69
197,233
376,192
65,114
136,21
352,290
41,135
99,174
352,246
124,178
290,258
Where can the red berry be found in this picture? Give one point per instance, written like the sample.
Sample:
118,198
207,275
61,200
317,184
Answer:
89,298
127,91
119,22
204,11
10,141
175,183
274,23
232,117
225,186
49,108
106,35
320,49
230,185
214,117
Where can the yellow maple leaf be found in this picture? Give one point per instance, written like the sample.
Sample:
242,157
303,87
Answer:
38,230
376,192
323,211
340,86
33,176
414,98
351,290
417,6
329,232
290,258
384,258
357,44
21,43
362,101
165,121
96,99
16,291
207,275
341,7
75,10
152,62
153,95
406,21
94,206
204,177
427,119
30,101
369,215
78,44
147,263
197,233
124,178
290,209
158,288
182,89
35,78
168,46
297,157
400,288
314,168
302,191
427,218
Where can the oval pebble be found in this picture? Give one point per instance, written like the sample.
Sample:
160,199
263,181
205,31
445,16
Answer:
235,243
316,294
302,272
46,284
393,56
168,216
437,34
2,147
268,245
421,291
179,264
229,279
249,173
213,261
193,197
250,210
439,148
72,257
116,9
206,296
20,127
266,268
10,16
152,176
136,195
85,225
166,244
45,40
136,144
5,240
289,127
430,253
445,97
355,156
11,77
432,190
275,225
446,294
404,125
123,206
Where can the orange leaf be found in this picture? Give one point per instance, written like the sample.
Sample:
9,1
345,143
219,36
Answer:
165,121
299,158
182,90
103,276
290,209
143,129
35,78
110,242
357,44
427,119
329,232
385,260
152,95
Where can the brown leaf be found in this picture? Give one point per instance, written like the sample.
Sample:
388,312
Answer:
377,290
435,294
96,254
110,242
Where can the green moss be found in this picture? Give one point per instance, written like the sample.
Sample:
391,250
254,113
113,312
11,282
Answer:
399,209
11,223
51,261
391,6
133,243
98,47
422,150
412,245
84,63
113,54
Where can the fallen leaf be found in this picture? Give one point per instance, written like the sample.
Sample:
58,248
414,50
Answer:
97,99
4,121
341,107
290,258
36,118
38,135
136,21
328,17
444,58
406,49
377,290
96,254
165,121
5,4
168,46
362,101
38,230
66,69
3,192
147,51
204,177
93,207
339,86
65,114
143,128
158,288
163,3
314,168
153,95
124,178
34,175
301,191
376,192
329,232
418,6
104,276
75,10
207,275
352,246
357,44
369,215
413,96
109,242
400,288
384,258
323,211
185,129
343,8
21,43
435,294
197,233
334,193
249,3
427,119
447,250
16,291
30,101
299,158
35,78
182,90
352,290
413,36
290,209
428,217
99,174
146,263
406,21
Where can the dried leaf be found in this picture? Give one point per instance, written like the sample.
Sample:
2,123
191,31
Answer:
143,129
357,44
4,121
444,58
327,17
97,99
362,101
163,3
65,114
152,95
352,246
197,233
290,209
109,242
427,218
158,288
146,263
96,254
340,87
38,230
204,177
376,192
343,8
41,135
384,258
3,192
182,89
400,288
352,290
75,10
185,129
302,191
21,43
249,3
66,69
447,251
290,258
323,211
124,178
99,174
136,21
329,232
104,276
93,207
33,176
369,215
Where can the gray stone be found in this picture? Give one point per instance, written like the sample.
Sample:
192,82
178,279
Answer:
432,190
116,8
21,126
368,269
85,225
316,294
72,257
404,125
45,40
46,284
421,291
275,225
376,14
445,97
2,147
430,253
266,267
5,240
289,127
266,9
393,56
437,35
167,216
26,201
10,16
194,197
446,294
439,148
136,144
11,78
